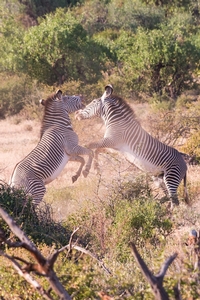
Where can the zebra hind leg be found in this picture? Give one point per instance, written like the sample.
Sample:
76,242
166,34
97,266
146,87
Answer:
79,150
36,190
75,155
169,195
172,186
159,183
86,171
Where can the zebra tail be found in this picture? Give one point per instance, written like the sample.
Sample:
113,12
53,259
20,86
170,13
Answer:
186,197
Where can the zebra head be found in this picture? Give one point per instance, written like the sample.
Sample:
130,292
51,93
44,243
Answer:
52,98
70,103
73,103
94,108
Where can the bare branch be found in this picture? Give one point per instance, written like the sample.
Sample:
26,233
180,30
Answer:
155,281
26,243
149,276
71,238
165,266
83,250
27,277
43,266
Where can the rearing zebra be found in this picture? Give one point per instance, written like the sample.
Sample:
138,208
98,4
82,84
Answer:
125,134
58,144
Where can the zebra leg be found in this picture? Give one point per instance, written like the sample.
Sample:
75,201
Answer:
89,162
80,159
159,182
36,190
100,147
96,158
79,150
172,181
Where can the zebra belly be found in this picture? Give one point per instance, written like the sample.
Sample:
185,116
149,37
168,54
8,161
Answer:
58,170
142,163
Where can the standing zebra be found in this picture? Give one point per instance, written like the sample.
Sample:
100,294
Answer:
58,144
125,134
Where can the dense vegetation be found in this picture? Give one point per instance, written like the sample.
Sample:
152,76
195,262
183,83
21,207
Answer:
150,52
106,227
146,49
154,47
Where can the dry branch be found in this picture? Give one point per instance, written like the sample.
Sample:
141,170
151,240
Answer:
42,266
156,282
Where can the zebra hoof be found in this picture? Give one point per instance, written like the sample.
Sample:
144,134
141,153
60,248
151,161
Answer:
74,178
85,173
172,204
164,199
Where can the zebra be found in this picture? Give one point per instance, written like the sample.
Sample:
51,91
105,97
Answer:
57,145
125,134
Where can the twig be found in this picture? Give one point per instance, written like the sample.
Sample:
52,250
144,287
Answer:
83,250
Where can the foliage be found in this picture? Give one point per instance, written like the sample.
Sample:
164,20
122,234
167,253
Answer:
161,60
117,223
192,146
69,269
11,36
38,8
106,40
56,50
93,15
16,93
129,15
38,224
128,213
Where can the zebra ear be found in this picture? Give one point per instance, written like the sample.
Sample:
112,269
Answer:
108,91
59,94
42,101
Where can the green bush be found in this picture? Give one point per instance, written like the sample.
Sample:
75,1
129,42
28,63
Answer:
38,223
15,94
128,213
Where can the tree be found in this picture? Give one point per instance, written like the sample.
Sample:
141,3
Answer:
56,50
161,60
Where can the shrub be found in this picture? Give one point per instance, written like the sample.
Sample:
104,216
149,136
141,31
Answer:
15,93
36,223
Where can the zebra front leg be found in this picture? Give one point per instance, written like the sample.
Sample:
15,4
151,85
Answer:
80,159
100,148
89,162
79,150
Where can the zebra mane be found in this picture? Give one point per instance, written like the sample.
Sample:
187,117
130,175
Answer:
124,103
48,100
